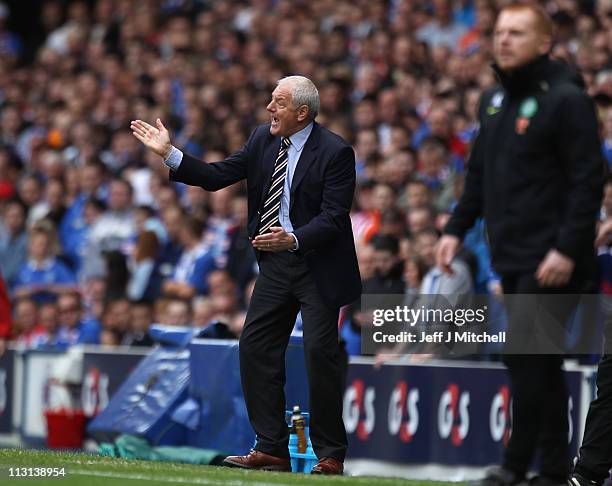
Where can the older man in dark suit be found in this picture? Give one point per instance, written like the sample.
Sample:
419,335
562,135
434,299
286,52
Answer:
300,179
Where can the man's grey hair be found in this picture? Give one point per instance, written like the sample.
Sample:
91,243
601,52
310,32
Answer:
303,92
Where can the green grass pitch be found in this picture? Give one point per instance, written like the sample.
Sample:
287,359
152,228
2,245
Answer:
90,470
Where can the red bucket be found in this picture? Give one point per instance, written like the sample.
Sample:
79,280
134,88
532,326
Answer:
65,428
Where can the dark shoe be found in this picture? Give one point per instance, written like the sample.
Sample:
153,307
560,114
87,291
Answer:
500,476
577,480
259,460
328,465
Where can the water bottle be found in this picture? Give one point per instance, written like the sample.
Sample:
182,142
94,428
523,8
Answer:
298,426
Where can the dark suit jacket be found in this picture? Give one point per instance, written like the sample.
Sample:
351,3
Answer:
321,196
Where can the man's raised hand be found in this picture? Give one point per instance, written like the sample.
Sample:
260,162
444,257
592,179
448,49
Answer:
156,139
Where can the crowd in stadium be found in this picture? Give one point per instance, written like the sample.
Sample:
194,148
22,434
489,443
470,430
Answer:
96,243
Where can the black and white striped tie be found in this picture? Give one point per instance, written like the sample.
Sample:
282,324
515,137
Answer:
271,207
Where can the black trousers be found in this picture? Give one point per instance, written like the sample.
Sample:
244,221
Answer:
539,390
595,455
284,287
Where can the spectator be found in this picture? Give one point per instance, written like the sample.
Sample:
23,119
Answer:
74,327
424,243
241,263
364,219
415,269
165,197
10,122
398,167
177,313
416,195
74,228
382,199
48,319
52,206
29,333
116,320
439,127
116,275
479,36
116,226
77,250
388,267
110,338
392,223
216,235
13,240
141,320
420,218
10,44
9,170
196,262
442,30
366,149
202,310
172,248
43,277
435,171
30,190
93,294
365,259
227,319
145,280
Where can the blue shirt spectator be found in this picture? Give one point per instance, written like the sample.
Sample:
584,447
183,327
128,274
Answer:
40,279
197,261
43,276
74,329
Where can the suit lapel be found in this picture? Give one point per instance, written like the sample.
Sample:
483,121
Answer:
308,156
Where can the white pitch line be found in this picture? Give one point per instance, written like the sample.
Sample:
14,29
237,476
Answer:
65,462
168,479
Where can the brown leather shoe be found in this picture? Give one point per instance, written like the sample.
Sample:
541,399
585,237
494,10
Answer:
259,460
328,465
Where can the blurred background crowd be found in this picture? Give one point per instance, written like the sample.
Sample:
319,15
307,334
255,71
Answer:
96,243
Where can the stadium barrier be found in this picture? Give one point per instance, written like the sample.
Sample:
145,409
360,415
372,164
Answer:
440,419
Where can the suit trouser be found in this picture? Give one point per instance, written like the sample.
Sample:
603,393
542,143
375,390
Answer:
284,287
595,456
539,390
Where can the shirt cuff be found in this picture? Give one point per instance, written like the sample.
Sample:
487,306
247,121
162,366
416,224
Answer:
297,243
174,159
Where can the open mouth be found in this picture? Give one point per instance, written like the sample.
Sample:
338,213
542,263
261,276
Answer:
275,121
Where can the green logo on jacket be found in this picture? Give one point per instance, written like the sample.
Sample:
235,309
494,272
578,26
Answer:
529,107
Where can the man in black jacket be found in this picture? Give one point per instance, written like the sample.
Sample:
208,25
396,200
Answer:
535,174
300,182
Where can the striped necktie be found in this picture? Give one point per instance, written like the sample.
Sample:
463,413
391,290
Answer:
271,207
